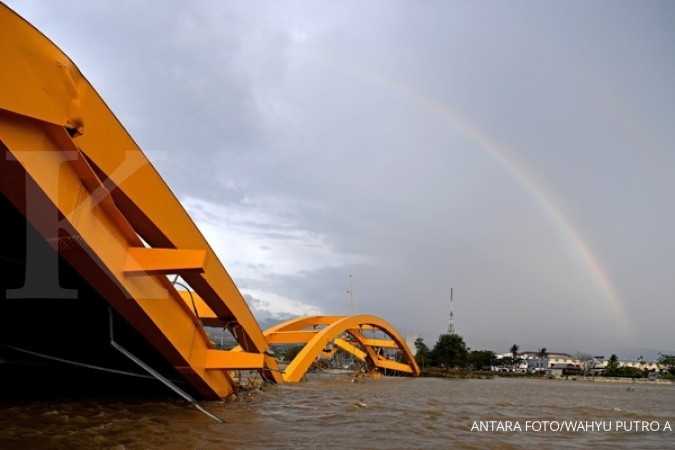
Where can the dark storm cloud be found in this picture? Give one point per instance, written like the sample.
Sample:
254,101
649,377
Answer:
519,153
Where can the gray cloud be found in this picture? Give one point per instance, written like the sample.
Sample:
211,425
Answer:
518,153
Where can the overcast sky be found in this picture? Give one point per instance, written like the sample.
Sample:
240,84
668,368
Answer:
520,153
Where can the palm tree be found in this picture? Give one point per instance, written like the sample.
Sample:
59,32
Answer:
543,354
612,367
421,352
514,354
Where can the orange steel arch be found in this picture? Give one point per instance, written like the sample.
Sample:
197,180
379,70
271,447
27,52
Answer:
317,332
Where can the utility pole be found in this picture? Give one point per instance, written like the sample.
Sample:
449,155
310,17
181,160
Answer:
451,321
351,293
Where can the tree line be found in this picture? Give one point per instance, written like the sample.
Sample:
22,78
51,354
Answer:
450,352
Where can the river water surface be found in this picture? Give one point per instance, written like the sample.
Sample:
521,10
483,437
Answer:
387,413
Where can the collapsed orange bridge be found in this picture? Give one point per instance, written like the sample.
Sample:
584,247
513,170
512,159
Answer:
93,238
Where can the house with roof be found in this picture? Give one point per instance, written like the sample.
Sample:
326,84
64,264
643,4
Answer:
538,364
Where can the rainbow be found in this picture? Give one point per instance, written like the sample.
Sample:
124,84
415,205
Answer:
563,223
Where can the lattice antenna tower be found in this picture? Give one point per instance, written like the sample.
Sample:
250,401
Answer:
451,320
351,293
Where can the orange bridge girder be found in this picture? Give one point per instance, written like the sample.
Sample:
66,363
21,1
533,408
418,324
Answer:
316,332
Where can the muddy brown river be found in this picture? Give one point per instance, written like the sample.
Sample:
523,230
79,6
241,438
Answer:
335,413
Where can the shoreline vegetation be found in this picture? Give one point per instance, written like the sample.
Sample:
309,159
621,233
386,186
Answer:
487,375
451,358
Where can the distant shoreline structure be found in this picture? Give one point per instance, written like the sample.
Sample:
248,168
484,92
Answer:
619,380
485,375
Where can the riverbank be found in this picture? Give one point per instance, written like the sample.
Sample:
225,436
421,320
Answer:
467,374
643,381
476,374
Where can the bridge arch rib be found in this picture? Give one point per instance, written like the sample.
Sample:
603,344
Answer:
316,332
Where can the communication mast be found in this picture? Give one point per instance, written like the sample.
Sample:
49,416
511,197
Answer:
451,321
351,293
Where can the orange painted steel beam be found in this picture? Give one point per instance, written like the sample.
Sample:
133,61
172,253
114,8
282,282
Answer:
163,260
382,343
393,365
225,360
301,323
351,348
291,337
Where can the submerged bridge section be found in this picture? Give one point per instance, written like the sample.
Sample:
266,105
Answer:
358,335
94,228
